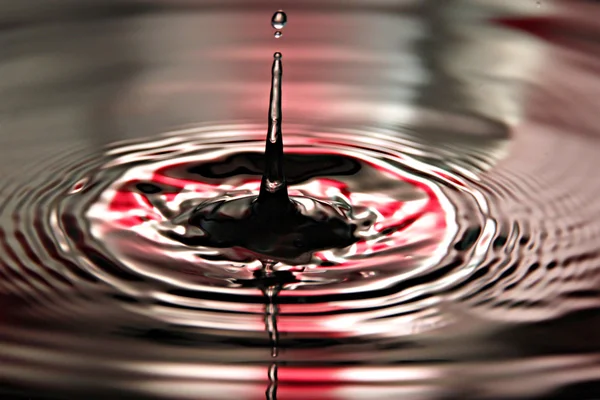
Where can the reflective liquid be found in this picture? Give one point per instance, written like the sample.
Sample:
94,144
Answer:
443,135
269,226
279,20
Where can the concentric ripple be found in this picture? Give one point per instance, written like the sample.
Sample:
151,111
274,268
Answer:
114,220
449,242
434,234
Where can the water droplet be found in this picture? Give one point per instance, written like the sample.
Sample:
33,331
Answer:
279,20
278,34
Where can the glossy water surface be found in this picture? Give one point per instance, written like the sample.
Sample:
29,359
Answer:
461,139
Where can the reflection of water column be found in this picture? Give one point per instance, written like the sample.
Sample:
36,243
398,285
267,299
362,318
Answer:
476,68
442,91
271,393
271,310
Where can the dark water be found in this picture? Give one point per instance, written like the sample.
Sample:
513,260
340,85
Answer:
459,140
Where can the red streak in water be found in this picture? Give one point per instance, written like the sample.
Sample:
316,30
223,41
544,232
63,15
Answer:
572,29
543,27
401,223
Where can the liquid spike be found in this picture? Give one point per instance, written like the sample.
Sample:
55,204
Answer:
273,189
271,226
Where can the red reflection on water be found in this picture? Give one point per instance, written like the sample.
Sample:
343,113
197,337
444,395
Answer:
399,222
575,25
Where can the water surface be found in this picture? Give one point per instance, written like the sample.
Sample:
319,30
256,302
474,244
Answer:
463,135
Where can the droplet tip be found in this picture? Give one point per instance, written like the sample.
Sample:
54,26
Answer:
277,56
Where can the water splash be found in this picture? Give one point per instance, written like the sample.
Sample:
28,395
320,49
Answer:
477,241
270,226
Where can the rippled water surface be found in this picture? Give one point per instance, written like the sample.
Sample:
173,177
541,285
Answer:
460,138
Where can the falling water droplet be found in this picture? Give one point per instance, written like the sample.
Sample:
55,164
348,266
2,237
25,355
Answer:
279,20
278,34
